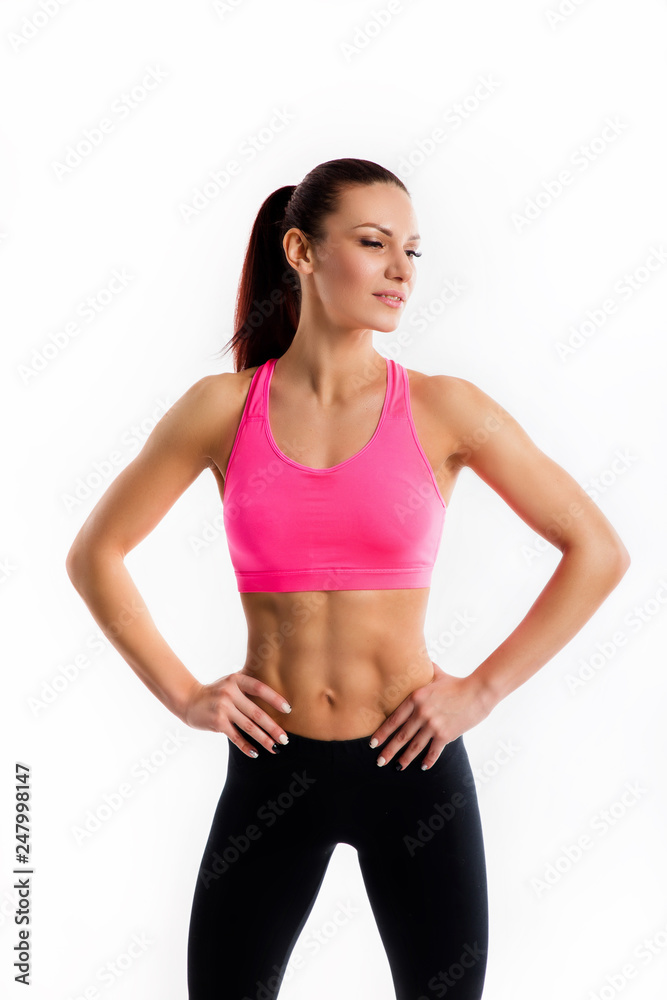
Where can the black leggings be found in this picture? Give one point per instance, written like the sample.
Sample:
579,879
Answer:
419,840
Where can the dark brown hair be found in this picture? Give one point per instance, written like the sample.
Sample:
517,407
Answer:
268,301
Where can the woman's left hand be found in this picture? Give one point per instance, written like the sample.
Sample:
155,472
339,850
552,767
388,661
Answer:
439,711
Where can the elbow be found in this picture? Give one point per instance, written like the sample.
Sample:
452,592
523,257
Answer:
85,559
607,558
622,560
78,563
618,565
73,564
610,561
616,556
76,557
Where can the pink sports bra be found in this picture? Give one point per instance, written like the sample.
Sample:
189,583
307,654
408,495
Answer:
372,522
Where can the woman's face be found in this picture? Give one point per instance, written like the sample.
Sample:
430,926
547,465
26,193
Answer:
358,260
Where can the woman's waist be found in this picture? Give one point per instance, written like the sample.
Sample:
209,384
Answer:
341,698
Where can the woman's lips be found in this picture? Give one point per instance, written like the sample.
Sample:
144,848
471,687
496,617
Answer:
394,303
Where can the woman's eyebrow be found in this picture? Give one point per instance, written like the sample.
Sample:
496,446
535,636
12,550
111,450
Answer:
383,229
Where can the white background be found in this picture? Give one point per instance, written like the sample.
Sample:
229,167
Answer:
351,89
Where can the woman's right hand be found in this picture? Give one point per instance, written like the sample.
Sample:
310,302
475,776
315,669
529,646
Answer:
216,706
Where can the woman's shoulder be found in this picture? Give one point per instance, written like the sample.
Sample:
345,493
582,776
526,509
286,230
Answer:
445,390
438,379
454,402
220,386
211,407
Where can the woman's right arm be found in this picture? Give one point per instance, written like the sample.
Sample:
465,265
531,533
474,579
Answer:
176,452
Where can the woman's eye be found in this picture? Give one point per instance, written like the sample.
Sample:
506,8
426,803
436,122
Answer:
376,243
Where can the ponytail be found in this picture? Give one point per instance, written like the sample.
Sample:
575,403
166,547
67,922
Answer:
268,301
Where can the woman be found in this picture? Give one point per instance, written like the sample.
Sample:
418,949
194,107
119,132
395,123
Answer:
335,466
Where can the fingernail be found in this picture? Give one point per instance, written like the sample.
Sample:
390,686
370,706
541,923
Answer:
253,753
275,748
286,707
283,739
374,743
399,767
381,761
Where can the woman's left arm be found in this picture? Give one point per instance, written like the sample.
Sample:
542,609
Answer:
551,502
594,559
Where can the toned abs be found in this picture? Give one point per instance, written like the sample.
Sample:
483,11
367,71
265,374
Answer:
343,659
